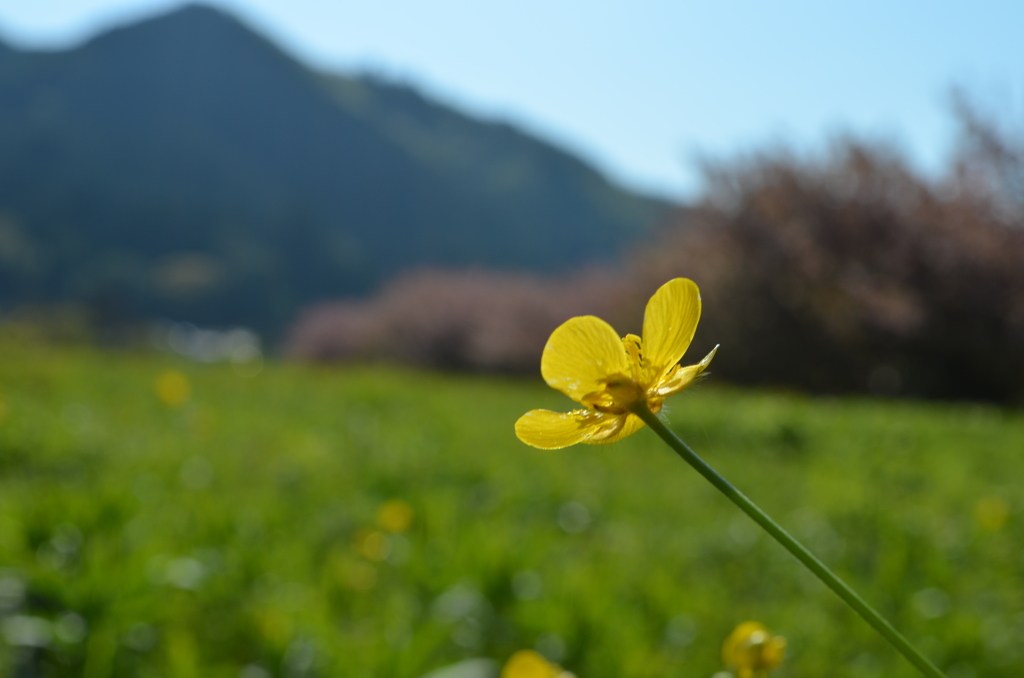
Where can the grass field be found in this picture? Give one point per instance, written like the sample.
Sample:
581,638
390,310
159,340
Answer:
379,522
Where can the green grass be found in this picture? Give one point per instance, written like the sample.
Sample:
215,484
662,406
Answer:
231,531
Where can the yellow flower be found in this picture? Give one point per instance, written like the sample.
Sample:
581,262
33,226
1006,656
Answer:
586,360
751,650
172,388
991,513
394,516
371,544
530,664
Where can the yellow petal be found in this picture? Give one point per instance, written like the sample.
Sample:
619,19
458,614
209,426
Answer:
735,646
678,379
774,653
581,354
669,323
552,430
751,650
630,425
529,664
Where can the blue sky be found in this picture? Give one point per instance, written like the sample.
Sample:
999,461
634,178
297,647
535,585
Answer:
643,88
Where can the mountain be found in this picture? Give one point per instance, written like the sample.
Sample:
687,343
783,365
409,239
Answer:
185,167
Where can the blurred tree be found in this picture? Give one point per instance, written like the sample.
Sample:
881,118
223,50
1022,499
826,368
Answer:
851,272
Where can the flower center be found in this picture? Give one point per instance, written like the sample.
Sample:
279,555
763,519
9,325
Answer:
619,394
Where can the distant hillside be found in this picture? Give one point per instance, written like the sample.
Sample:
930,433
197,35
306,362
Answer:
185,167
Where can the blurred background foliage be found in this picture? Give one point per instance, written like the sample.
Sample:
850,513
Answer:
165,518
851,273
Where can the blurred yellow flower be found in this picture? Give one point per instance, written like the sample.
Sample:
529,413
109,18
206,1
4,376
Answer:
752,651
586,360
991,513
530,664
371,544
172,388
394,516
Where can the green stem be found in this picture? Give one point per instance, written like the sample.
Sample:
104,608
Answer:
849,596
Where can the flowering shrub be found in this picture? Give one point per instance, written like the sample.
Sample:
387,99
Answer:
852,273
463,320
